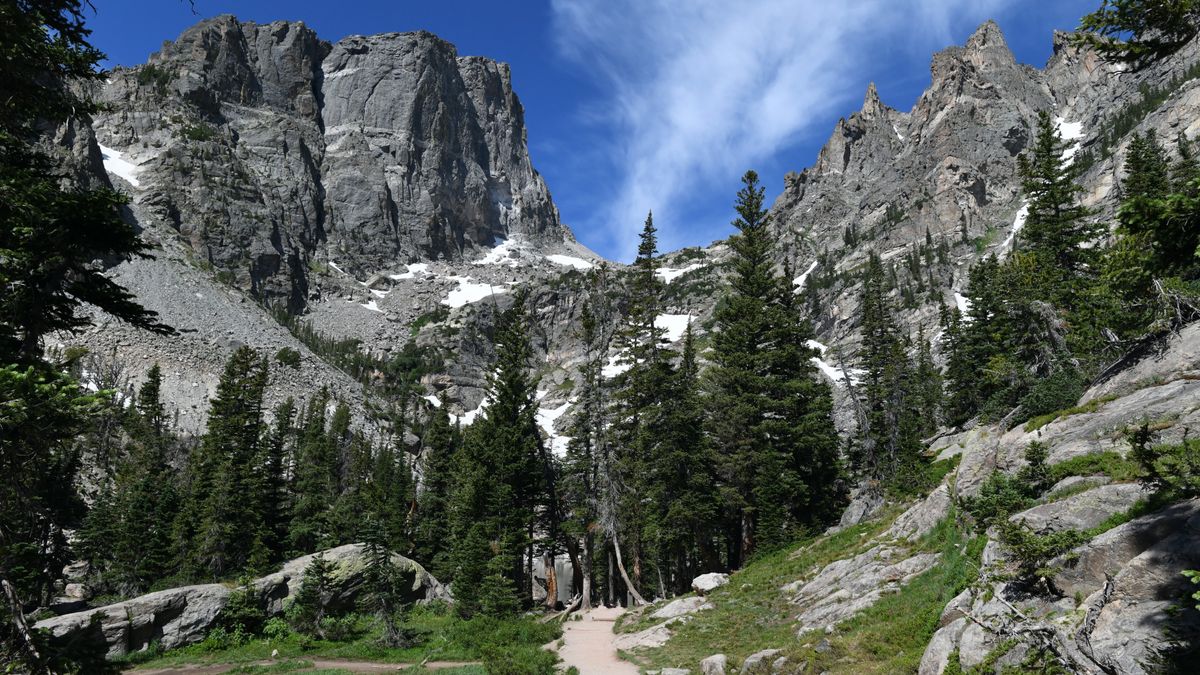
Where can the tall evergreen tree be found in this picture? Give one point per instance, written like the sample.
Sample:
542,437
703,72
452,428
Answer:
501,495
890,443
638,399
431,536
53,227
219,532
314,479
1057,225
760,362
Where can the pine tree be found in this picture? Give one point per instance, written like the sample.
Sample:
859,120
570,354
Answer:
502,492
683,480
638,399
272,495
314,479
385,587
219,532
306,614
761,366
1147,169
1139,32
1057,225
891,441
587,482
53,228
431,536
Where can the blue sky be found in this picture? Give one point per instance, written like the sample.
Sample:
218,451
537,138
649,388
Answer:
656,104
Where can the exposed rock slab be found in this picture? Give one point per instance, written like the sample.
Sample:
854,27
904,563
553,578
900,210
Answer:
845,587
181,616
1081,511
681,607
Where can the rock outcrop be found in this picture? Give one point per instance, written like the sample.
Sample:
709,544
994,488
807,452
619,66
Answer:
181,616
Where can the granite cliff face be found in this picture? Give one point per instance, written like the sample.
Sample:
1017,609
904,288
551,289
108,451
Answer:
272,152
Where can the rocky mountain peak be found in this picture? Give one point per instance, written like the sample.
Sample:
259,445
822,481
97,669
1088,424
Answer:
367,154
872,107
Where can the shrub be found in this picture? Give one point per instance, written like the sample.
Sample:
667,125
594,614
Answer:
523,660
1032,552
288,357
1056,392
1003,495
199,132
1170,470
244,612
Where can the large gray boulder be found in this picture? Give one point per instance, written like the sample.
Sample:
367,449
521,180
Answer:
174,618
759,663
714,665
181,616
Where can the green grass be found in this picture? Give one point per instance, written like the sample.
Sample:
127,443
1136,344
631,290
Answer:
442,637
891,635
1089,407
751,612
1108,463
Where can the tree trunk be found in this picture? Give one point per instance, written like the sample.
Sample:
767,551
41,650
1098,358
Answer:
747,538
18,618
581,566
624,575
611,584
551,580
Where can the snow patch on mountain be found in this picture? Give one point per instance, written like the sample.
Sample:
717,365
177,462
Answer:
799,281
116,164
570,261
834,373
669,274
469,292
675,325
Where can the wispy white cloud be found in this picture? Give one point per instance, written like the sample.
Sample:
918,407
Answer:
699,90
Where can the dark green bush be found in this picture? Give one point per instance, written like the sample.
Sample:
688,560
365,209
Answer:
1060,390
288,357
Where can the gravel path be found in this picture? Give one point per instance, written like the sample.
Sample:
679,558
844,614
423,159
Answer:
588,644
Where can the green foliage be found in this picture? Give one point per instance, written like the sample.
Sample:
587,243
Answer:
307,612
1002,495
891,635
155,77
244,612
768,413
219,529
1139,32
1194,576
386,588
999,497
894,400
1172,470
1048,395
525,660
505,482
1108,463
437,315
198,132
1039,421
289,357
1032,552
